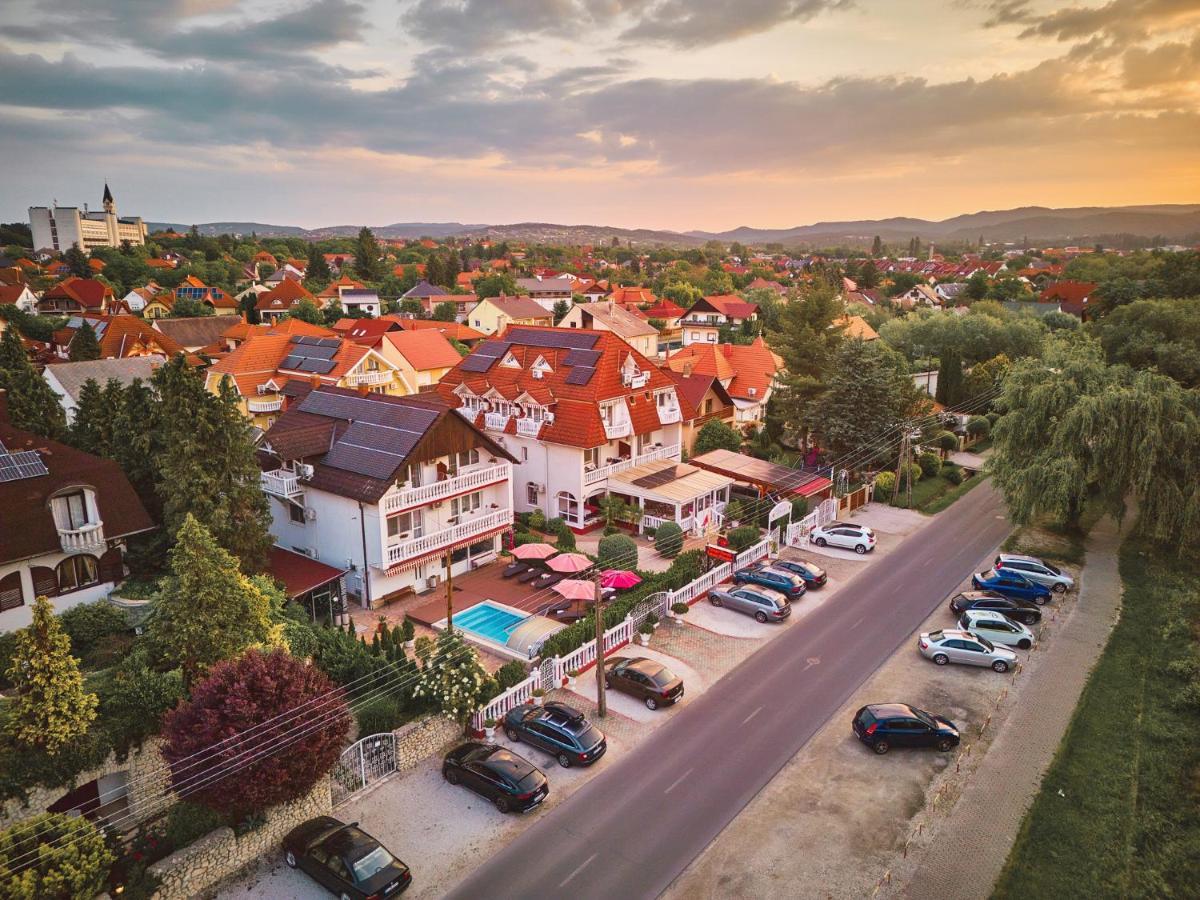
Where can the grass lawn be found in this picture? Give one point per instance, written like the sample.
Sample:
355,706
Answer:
1049,541
931,495
1119,810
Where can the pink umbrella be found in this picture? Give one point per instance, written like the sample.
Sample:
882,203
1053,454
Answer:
569,562
575,589
534,551
619,579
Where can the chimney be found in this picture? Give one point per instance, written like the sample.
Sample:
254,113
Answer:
315,381
728,348
4,407
363,390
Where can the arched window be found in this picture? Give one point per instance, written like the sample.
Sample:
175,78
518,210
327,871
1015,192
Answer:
11,593
568,506
77,572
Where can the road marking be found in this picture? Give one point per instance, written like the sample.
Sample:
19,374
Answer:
859,622
752,715
810,662
675,783
581,867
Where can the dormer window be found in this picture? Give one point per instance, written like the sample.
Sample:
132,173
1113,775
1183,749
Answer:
72,511
510,362
540,365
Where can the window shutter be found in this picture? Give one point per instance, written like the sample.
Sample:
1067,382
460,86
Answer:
45,581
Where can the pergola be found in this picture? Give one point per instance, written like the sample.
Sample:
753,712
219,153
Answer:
675,492
765,477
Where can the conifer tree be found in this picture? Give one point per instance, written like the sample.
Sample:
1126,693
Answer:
366,256
51,707
450,269
84,345
950,377
318,269
77,262
434,272
31,404
137,451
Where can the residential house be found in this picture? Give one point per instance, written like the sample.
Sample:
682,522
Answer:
748,372
422,356
452,331
493,314
761,283
573,408
463,304
20,296
949,292
866,296
595,291
670,334
66,516
423,290
120,337
919,295
276,303
194,333
856,327
238,333
547,291
702,323
608,316
76,295
1073,297
338,261
354,296
632,296
292,270
138,297
193,288
67,379
702,398
389,489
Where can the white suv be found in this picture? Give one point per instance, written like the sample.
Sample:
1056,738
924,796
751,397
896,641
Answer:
849,535
996,627
1036,571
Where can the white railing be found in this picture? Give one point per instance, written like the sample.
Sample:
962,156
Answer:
618,429
89,537
281,484
657,522
671,451
510,699
637,381
460,484
495,421
369,378
529,427
798,531
264,404
475,524
669,414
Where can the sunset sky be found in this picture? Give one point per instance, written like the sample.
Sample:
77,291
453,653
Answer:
675,114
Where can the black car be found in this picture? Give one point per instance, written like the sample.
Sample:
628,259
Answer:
511,782
883,726
345,859
814,576
1024,611
560,730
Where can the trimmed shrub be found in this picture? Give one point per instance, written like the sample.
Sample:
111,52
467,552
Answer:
511,674
562,531
734,510
92,628
524,537
953,474
979,427
930,464
616,551
187,822
946,440
913,471
668,539
884,483
742,537
537,519
380,714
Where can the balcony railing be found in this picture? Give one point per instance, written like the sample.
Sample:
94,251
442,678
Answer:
82,540
495,421
264,404
529,427
637,380
669,414
281,484
470,526
619,429
369,378
671,451
438,490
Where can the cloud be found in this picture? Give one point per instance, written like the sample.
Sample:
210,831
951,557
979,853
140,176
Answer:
1124,21
687,24
1168,63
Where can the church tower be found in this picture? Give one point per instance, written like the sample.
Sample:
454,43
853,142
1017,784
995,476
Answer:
110,218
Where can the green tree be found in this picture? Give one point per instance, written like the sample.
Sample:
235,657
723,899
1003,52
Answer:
53,855
616,551
137,451
94,428
1155,334
31,404
445,312
668,539
877,247
77,262
51,708
452,681
977,286
317,271
866,276
494,285
366,256
561,308
950,378
985,377
84,345
307,311
206,610
716,435
185,308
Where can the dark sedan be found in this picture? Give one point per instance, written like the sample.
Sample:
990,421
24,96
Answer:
1010,584
345,859
560,730
883,726
789,584
1024,611
814,576
651,682
511,782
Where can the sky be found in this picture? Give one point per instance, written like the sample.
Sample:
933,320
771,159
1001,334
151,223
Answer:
675,114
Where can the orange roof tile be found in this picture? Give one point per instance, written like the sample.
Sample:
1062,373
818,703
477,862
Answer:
427,349
741,367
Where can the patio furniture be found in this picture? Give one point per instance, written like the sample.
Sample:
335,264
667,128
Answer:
515,568
534,551
569,563
529,576
548,580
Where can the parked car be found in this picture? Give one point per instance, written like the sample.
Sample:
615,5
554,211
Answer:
560,730
882,726
848,535
511,782
1036,571
764,604
814,576
946,646
651,682
1010,584
771,576
1024,611
345,859
996,627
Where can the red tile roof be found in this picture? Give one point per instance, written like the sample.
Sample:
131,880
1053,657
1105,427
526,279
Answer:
298,573
87,292
427,349
283,297
742,368
730,305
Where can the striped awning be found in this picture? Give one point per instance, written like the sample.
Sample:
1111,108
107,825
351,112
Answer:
407,564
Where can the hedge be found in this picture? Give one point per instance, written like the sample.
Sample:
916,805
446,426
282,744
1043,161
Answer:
930,464
742,537
668,539
617,551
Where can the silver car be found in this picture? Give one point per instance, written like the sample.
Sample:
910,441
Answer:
948,646
1036,571
763,603
996,627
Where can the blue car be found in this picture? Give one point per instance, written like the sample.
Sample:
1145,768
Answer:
814,576
1010,584
787,583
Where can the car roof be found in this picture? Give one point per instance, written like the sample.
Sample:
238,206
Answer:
505,762
348,838
989,615
759,589
955,633
562,709
645,666
984,595
1019,556
889,710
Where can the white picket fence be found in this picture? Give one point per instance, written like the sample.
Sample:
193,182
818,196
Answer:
798,531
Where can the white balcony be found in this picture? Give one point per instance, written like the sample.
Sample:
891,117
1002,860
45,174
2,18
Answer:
281,484
671,451
637,380
529,427
619,429
439,490
88,539
469,526
264,404
358,378
669,414
495,421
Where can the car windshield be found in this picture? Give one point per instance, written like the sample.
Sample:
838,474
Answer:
924,717
663,677
1052,569
587,734
988,645
935,635
372,864
866,718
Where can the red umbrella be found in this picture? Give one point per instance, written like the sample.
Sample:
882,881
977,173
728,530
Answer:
575,589
619,579
569,562
534,551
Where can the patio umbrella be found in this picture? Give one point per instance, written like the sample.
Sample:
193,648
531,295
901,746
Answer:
575,589
619,579
569,562
534,551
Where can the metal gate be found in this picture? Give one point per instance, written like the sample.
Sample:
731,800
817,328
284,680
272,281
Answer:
547,671
365,763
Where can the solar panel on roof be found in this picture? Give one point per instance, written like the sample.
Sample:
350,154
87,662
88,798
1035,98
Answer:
580,375
320,366
292,362
20,465
558,338
363,461
493,349
657,479
355,408
475,363
581,358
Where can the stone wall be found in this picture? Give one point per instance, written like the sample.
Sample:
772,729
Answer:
419,740
197,867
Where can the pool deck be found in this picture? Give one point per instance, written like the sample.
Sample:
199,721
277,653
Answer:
483,584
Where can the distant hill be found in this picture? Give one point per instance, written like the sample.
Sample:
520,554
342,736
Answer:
1038,224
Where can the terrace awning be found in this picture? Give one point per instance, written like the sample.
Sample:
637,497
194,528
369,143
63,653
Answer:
667,482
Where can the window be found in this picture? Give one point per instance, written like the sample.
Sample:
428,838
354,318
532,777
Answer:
524,454
467,458
466,503
591,457
296,514
77,572
568,506
531,494
76,510
405,523
11,593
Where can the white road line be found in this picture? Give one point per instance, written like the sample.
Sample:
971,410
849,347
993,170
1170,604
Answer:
675,783
859,622
581,867
752,715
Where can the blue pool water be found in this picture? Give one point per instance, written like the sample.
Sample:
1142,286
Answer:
488,621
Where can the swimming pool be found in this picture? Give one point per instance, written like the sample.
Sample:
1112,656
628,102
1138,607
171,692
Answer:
490,620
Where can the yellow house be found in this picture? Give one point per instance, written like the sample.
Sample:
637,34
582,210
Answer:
422,357
606,315
493,314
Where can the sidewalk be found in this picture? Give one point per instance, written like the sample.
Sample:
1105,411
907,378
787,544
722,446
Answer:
972,845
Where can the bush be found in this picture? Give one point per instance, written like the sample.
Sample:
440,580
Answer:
930,464
668,540
952,473
537,519
946,440
53,855
799,508
386,713
89,625
742,537
735,510
511,674
616,551
979,427
716,435
524,537
687,567
407,630
680,609
187,822
884,483
8,646
133,699
993,418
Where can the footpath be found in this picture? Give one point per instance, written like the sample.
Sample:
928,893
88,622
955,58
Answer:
966,857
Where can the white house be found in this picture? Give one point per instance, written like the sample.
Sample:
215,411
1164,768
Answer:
20,296
608,316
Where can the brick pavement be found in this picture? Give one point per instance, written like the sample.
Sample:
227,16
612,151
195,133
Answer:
972,845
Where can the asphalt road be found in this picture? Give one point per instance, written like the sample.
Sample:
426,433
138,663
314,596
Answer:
632,829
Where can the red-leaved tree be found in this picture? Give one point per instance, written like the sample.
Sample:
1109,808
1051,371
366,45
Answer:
221,758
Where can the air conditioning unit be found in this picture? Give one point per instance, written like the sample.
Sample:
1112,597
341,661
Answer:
304,470
310,514
311,553
432,581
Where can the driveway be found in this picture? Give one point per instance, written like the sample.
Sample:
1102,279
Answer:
694,684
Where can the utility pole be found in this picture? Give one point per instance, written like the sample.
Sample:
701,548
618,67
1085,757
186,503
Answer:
449,593
601,700
900,463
